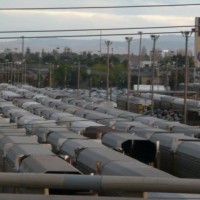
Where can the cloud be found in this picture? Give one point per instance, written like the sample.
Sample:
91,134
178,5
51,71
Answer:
93,18
169,20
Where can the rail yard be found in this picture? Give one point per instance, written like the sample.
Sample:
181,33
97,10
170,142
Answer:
57,135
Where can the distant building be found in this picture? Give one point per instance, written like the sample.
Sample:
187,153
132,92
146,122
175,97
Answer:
197,42
148,88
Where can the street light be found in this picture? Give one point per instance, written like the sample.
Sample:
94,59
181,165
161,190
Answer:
108,44
65,81
90,81
78,80
14,65
128,39
154,38
140,61
100,43
39,70
186,34
23,62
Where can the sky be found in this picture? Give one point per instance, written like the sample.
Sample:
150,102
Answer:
94,18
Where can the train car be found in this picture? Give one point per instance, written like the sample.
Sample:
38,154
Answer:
21,91
57,116
178,105
19,101
147,120
90,106
64,107
137,104
47,101
167,102
66,119
22,121
57,138
179,154
126,126
98,108
18,151
34,108
9,95
5,106
132,145
80,126
71,109
7,142
81,113
47,112
38,97
146,132
193,104
27,104
193,131
96,132
156,98
71,147
35,158
42,130
54,103
97,117
10,112
187,159
129,116
166,125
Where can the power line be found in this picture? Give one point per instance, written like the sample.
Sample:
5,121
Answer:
101,7
96,29
88,35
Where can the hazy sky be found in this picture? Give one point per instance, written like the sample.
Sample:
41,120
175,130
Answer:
94,18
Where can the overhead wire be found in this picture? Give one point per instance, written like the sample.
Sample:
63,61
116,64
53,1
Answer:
99,7
104,29
97,29
89,35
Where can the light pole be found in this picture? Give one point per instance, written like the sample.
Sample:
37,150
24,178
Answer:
100,43
15,65
65,81
128,39
90,81
108,44
176,74
140,61
78,79
23,64
39,70
154,38
186,34
50,75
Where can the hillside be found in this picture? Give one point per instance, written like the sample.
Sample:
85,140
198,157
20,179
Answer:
171,42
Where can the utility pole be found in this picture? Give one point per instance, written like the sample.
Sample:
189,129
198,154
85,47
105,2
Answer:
108,44
140,61
65,81
50,75
39,70
128,39
23,64
78,79
186,34
154,38
100,43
